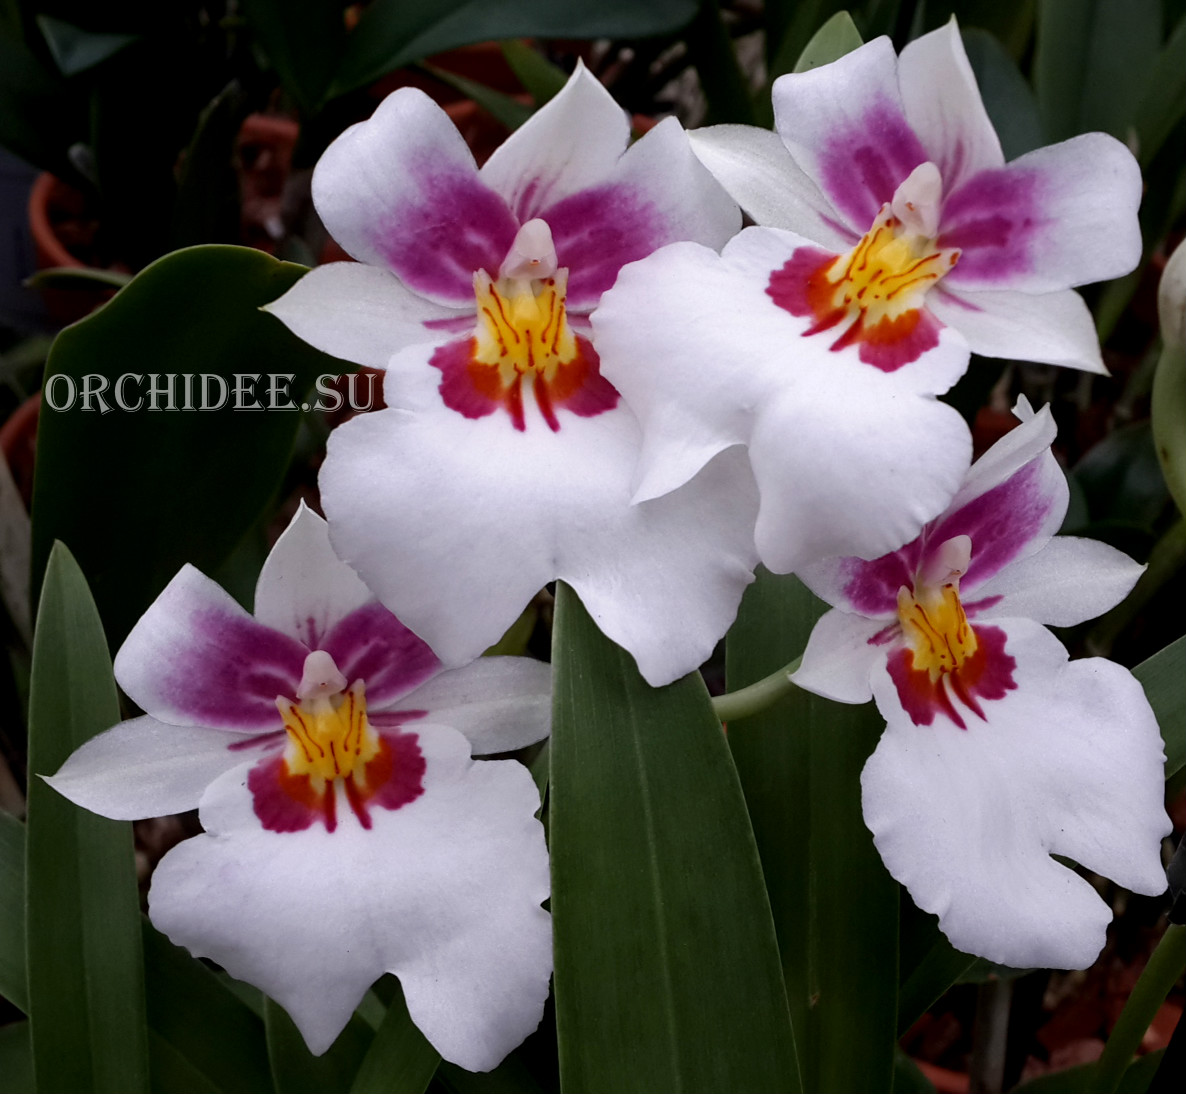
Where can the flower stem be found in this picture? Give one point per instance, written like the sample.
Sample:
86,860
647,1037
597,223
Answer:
757,697
1161,973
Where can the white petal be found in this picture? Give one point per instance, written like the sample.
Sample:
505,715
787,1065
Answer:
359,313
755,167
444,892
304,589
1069,763
840,657
499,703
944,106
570,144
1054,328
145,768
1068,582
662,580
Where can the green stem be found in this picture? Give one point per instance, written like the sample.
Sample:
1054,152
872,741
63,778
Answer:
757,697
1159,976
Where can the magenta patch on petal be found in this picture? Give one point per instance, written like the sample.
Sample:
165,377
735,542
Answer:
986,675
230,671
596,232
291,803
862,166
371,644
994,219
1002,522
458,226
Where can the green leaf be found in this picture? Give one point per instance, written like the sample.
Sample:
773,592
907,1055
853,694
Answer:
297,1071
14,982
199,1027
392,33
835,906
534,71
16,1059
86,979
1090,57
1164,101
666,972
400,1060
838,36
75,50
1161,677
1007,96
174,486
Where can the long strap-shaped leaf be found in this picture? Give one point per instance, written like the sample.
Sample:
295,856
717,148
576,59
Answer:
667,972
835,907
86,969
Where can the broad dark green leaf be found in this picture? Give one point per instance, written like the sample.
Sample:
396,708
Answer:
1165,687
304,40
296,1070
169,486
86,976
392,33
400,1060
835,906
200,1028
16,1059
1090,59
838,36
1007,96
13,977
1164,101
667,974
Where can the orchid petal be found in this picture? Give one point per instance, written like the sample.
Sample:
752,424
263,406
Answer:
401,190
197,658
499,703
944,107
444,892
538,506
754,166
145,768
304,590
659,193
840,657
846,127
1055,328
1056,217
360,313
967,819
1066,583
541,163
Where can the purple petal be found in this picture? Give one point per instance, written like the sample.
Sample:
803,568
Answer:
371,645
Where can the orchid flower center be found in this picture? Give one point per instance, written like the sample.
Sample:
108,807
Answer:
328,734
522,324
933,620
897,261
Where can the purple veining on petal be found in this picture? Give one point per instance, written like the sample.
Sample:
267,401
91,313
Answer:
596,232
1001,522
872,587
862,165
455,226
371,645
229,674
995,219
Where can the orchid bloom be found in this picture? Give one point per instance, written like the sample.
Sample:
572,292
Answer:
348,832
893,240
998,751
506,459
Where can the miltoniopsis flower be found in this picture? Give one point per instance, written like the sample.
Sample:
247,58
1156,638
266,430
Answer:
895,239
506,459
998,751
348,831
